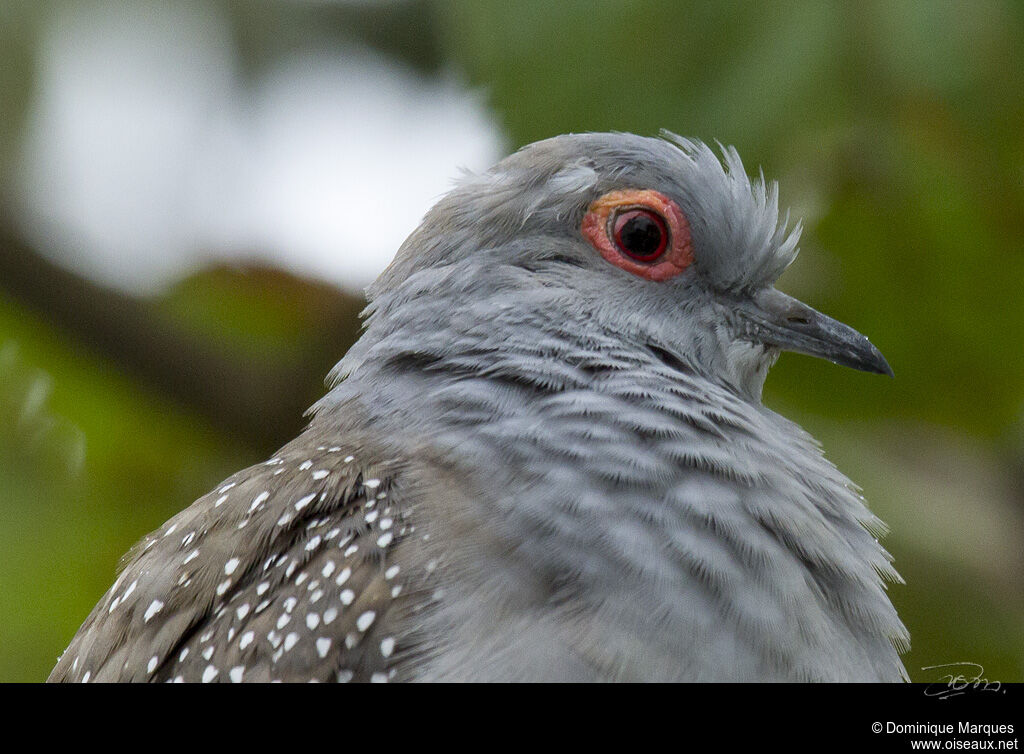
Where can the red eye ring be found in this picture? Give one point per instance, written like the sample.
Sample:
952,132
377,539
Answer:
639,233
660,257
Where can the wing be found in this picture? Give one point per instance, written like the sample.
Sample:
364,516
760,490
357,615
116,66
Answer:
291,570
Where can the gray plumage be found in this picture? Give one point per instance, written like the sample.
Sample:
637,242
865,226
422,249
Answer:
534,465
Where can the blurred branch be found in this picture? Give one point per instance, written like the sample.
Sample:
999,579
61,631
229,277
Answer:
403,29
257,401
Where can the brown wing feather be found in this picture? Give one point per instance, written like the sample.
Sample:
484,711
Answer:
291,570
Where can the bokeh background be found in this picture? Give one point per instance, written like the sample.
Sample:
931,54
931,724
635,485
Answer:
193,195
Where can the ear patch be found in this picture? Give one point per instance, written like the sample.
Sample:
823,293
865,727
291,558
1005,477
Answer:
572,178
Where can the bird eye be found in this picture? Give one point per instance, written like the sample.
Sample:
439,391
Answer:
640,234
641,231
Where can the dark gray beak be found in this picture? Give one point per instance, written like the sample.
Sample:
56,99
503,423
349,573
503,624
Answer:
775,319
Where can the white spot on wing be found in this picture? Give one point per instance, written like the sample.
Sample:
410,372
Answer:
154,607
258,500
365,620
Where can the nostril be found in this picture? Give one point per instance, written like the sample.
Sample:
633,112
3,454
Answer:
798,319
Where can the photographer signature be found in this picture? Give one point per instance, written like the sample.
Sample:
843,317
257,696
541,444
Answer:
960,678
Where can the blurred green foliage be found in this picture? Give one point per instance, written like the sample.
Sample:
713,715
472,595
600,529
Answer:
68,521
896,130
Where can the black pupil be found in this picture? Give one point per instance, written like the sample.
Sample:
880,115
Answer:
640,235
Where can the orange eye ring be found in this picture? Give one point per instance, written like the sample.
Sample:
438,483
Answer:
624,226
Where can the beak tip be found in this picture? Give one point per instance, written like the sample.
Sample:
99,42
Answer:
881,366
870,360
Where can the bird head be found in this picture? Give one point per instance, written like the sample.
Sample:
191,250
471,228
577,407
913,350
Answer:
655,239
